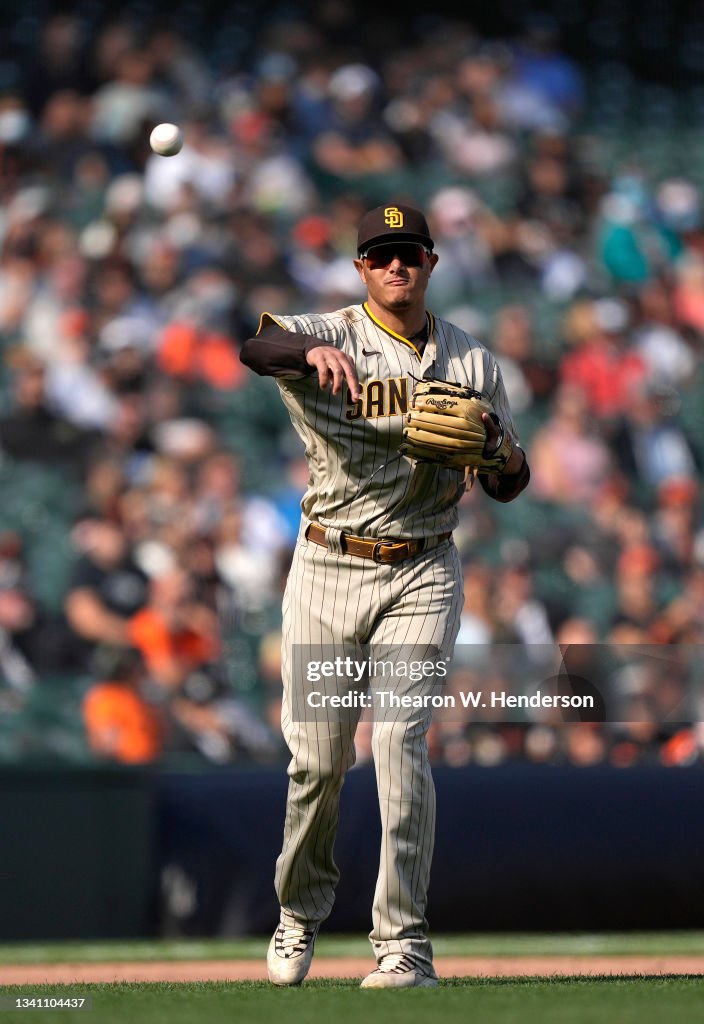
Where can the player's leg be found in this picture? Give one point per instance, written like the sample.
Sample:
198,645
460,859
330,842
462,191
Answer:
316,605
306,873
420,622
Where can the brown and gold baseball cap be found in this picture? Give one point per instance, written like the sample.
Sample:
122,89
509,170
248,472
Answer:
395,222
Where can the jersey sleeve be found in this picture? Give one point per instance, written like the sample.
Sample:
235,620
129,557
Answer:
506,487
280,347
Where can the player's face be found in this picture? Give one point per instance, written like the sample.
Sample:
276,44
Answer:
396,274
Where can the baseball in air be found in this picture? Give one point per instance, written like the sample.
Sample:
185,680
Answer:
166,139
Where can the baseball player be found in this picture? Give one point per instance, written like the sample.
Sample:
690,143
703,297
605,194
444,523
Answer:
374,564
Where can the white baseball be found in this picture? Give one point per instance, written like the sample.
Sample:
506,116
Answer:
166,139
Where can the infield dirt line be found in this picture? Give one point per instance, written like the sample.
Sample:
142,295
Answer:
345,967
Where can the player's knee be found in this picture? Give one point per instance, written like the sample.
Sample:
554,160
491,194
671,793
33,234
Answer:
392,739
324,771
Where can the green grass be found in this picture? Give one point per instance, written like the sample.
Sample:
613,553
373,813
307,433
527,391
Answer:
636,1000
521,1000
529,944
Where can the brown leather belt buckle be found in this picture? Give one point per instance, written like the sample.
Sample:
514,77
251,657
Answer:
376,553
398,551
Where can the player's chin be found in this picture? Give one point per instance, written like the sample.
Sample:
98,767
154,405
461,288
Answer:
399,298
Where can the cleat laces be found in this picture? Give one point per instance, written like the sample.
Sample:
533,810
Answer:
293,940
397,963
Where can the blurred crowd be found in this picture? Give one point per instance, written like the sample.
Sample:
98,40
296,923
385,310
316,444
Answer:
153,483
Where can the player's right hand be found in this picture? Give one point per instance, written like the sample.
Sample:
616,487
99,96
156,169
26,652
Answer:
333,367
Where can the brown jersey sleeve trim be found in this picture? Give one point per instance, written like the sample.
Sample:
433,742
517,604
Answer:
506,487
276,352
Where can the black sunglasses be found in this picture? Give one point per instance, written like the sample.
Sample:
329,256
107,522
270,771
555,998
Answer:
411,254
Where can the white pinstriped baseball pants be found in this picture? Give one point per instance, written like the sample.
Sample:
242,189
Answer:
334,599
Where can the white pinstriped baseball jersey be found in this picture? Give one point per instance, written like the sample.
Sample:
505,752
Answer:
347,441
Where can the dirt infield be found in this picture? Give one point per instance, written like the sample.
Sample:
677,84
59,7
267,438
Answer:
347,967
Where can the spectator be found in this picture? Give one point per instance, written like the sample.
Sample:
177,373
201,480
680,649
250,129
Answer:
183,71
584,744
287,498
675,520
649,443
219,723
106,588
468,236
249,574
33,431
58,63
688,292
477,621
218,492
539,67
34,641
17,617
180,641
550,222
639,600
633,245
131,98
681,620
196,346
474,140
121,725
529,378
175,633
521,615
570,461
355,142
128,438
63,139
314,262
670,356
105,485
75,388
603,362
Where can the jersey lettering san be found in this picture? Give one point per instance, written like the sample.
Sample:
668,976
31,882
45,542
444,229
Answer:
379,398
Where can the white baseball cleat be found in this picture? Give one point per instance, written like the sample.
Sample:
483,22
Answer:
399,970
290,953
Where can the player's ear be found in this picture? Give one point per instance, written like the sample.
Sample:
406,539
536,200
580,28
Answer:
432,260
359,267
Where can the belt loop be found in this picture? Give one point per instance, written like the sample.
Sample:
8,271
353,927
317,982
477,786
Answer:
333,537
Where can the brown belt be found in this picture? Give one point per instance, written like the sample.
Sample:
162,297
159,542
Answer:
386,552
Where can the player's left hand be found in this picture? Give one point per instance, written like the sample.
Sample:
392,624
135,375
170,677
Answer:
493,434
493,441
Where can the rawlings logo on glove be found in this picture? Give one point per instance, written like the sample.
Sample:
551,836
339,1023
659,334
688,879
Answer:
440,405
445,426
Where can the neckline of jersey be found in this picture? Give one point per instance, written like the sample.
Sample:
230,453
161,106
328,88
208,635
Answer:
400,337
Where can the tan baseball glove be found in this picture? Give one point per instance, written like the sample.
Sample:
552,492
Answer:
444,425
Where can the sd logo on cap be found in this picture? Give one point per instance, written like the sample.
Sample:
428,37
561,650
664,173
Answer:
399,222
